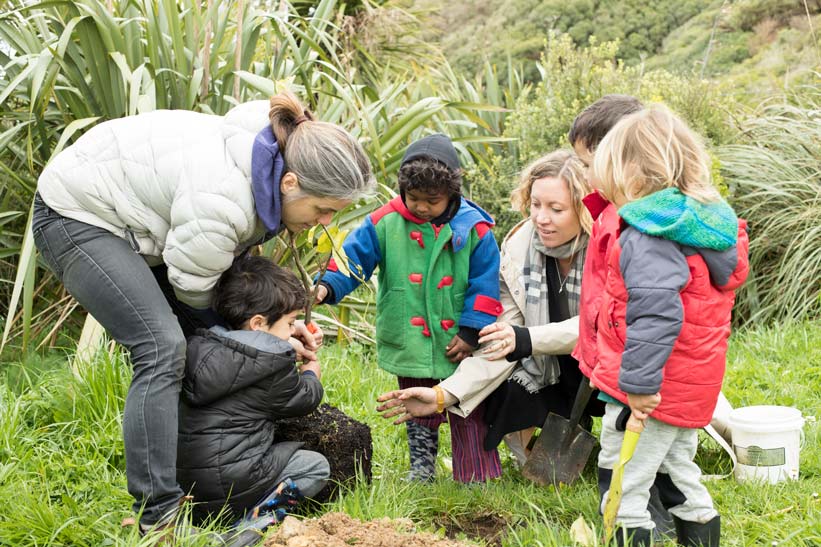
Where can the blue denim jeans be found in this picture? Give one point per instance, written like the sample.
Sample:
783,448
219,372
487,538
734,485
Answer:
115,285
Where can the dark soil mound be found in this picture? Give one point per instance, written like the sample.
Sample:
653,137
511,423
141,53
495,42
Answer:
344,441
488,527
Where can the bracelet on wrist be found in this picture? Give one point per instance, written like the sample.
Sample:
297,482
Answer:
440,399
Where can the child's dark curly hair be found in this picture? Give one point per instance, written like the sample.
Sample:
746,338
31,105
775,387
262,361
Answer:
255,285
430,177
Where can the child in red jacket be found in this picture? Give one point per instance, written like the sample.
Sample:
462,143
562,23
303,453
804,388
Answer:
677,254
587,131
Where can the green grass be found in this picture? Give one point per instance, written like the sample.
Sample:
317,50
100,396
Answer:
62,476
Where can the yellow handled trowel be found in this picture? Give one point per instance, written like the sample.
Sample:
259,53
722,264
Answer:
628,446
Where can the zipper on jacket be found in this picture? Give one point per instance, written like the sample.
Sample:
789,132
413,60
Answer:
132,239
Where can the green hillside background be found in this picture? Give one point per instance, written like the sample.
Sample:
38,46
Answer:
760,46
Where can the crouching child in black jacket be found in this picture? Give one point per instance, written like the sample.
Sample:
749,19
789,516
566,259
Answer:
237,383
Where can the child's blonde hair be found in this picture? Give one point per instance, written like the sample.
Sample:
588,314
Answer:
563,165
651,150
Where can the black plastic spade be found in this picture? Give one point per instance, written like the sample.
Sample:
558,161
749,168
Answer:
563,447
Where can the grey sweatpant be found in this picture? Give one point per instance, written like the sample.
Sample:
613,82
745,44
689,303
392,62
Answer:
664,449
309,470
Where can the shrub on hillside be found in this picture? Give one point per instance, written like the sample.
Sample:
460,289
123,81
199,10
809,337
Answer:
517,27
573,78
775,183
746,14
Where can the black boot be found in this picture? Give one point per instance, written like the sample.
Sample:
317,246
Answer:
634,537
696,534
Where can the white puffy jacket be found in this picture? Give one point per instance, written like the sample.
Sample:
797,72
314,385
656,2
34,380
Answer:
175,184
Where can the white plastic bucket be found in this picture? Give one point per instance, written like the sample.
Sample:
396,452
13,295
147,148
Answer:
766,442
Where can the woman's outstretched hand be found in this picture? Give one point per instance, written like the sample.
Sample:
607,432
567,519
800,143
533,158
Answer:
413,402
498,340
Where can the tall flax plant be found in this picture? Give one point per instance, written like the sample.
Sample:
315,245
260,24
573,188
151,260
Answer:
72,64
496,92
775,180
69,65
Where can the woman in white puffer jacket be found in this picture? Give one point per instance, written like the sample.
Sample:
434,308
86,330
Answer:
141,215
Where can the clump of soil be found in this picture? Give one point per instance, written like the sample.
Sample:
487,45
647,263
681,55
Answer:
490,527
344,441
341,530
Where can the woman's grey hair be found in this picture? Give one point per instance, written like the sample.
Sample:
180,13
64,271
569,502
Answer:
327,160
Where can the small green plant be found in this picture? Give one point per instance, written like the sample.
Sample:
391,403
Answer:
328,247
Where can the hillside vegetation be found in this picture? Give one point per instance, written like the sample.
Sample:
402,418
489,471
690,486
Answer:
761,45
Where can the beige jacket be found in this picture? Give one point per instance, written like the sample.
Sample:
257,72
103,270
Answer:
476,377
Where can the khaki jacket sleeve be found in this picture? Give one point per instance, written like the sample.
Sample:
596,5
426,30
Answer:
557,338
474,380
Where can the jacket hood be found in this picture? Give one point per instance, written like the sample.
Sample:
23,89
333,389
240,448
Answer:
257,339
267,167
468,216
729,268
710,230
254,356
671,215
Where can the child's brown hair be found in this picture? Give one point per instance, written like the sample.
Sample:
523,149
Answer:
593,123
255,285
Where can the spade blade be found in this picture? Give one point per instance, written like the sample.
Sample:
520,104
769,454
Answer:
560,454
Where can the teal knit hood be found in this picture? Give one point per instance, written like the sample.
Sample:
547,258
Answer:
671,215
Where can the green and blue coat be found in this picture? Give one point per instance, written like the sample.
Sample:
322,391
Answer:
432,280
